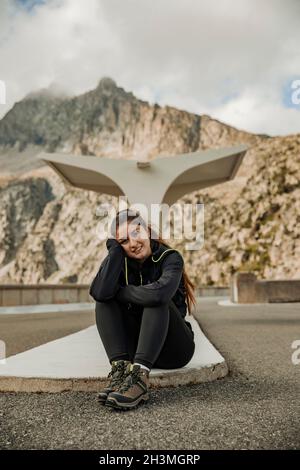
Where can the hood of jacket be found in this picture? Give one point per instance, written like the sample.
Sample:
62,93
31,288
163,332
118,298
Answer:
159,251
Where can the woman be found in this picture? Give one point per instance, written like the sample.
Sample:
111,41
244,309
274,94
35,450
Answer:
142,293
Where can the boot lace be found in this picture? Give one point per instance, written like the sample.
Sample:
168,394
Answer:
116,374
131,378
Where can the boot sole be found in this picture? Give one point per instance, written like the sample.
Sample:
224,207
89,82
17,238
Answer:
101,400
114,403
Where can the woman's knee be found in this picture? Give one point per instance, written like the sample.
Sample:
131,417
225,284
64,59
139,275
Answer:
107,304
105,309
163,307
100,306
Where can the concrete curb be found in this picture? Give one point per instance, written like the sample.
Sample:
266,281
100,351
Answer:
92,384
228,303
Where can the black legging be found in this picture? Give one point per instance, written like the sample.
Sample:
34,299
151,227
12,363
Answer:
155,337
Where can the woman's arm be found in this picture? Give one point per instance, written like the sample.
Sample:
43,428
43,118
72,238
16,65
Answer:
106,283
160,291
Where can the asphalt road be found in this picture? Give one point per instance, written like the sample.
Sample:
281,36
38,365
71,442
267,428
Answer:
255,407
25,331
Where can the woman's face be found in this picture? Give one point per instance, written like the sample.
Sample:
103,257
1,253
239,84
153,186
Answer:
135,240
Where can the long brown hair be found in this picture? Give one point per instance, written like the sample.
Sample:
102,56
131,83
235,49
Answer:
129,215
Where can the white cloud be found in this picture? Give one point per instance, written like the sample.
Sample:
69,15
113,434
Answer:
228,59
251,111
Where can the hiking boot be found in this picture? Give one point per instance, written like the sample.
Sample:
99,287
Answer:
116,376
132,391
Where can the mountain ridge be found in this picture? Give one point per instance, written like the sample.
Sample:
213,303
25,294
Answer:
245,217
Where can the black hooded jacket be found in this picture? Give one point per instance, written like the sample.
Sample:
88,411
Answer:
157,280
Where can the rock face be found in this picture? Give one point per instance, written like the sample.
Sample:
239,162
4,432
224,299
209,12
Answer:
48,231
21,206
259,231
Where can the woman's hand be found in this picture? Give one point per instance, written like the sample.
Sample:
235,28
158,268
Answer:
112,243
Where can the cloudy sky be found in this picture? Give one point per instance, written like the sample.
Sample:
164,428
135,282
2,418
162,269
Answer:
235,60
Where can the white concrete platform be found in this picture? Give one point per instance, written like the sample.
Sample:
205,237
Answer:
79,362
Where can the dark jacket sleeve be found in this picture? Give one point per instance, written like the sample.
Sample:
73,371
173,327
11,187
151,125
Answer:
160,291
106,282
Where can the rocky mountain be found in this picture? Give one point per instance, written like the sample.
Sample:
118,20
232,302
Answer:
48,230
259,231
